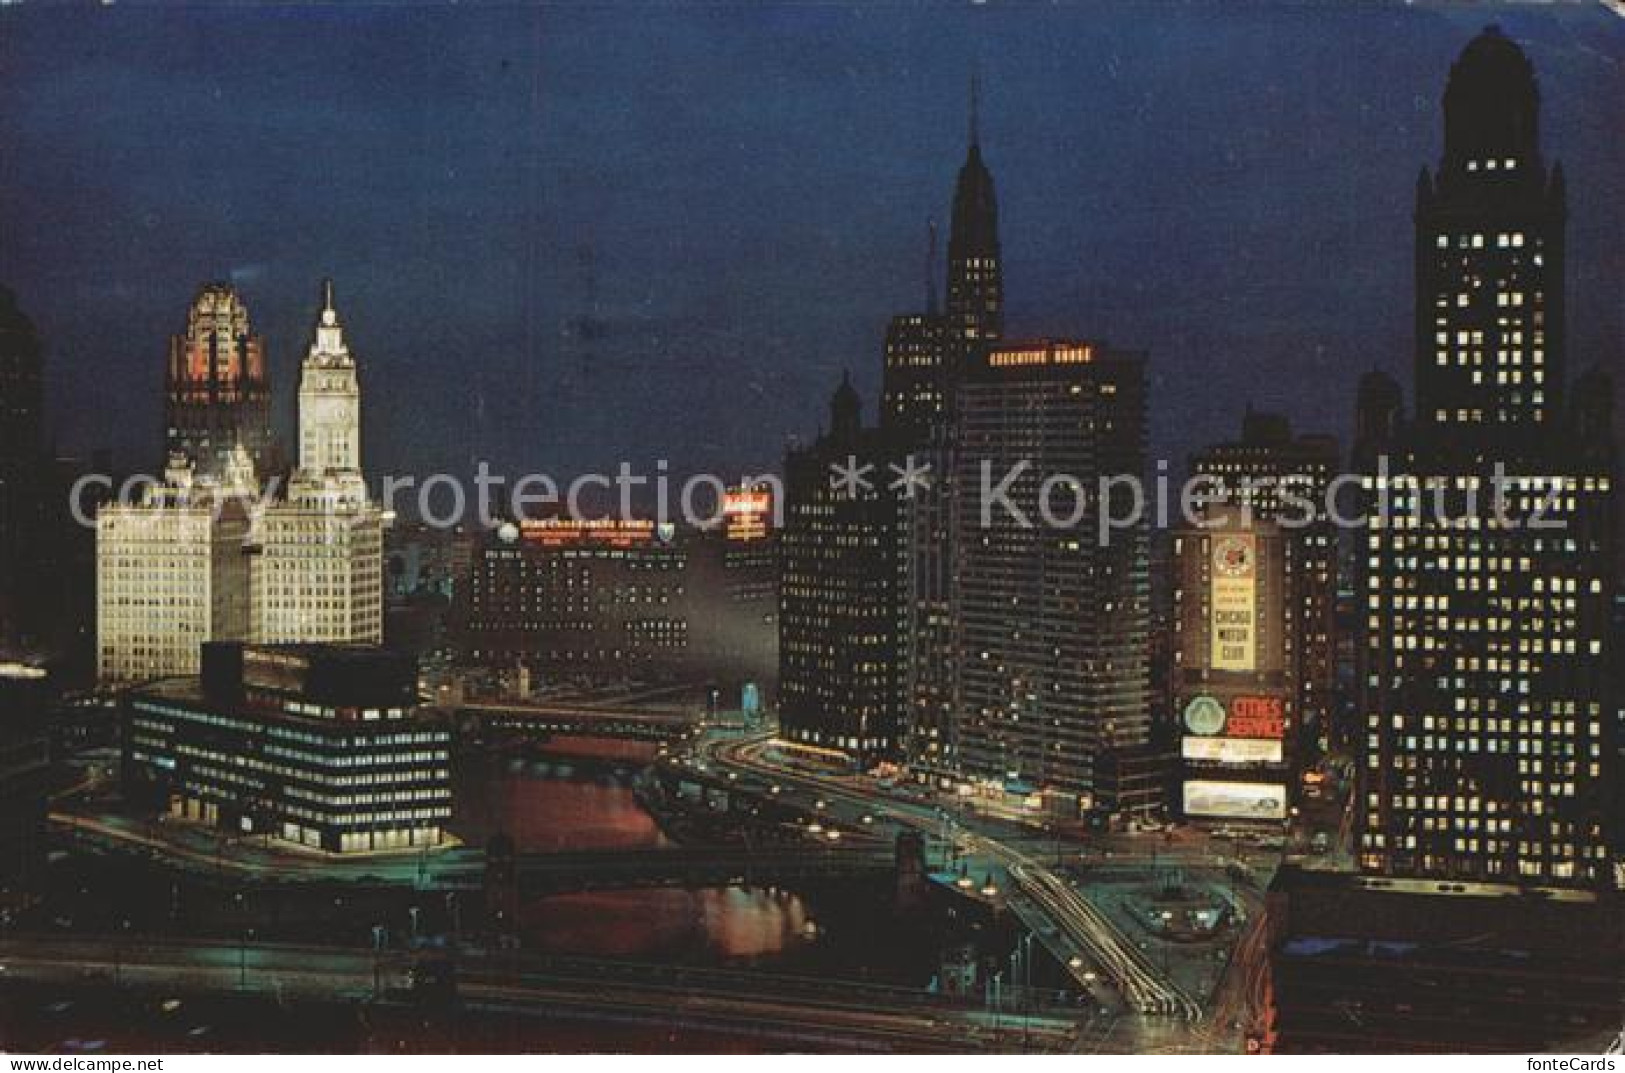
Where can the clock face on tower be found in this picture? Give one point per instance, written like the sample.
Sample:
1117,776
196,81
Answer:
1233,557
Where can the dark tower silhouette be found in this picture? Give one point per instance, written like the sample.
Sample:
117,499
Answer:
916,379
975,277
845,412
1379,414
1489,573
1489,261
843,577
22,465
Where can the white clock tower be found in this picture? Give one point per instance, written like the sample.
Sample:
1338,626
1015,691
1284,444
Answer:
329,414
318,576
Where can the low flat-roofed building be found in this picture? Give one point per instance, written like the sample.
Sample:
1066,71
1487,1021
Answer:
322,746
1362,964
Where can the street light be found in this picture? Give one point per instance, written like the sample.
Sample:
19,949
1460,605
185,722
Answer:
242,958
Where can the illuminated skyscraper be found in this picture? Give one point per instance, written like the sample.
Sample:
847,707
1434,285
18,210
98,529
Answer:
843,584
1053,618
329,413
927,355
217,387
918,383
571,598
319,571
172,573
917,376
975,272
1489,567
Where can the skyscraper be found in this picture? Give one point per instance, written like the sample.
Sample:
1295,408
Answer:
329,412
975,270
917,377
1488,556
172,572
843,593
319,567
571,598
1235,637
927,356
1282,478
1053,618
217,387
23,474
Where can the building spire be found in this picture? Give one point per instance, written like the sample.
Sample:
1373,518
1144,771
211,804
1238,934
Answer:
975,108
975,295
327,294
931,267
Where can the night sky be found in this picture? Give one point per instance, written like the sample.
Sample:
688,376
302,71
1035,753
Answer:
566,236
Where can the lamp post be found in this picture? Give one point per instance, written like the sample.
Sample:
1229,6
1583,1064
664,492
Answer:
242,958
118,951
378,936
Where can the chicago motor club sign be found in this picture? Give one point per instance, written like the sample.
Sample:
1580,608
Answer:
1233,636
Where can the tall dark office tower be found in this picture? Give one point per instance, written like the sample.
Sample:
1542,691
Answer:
843,583
1379,418
975,277
218,387
926,359
1489,262
918,383
23,470
1489,569
1282,478
1053,638
917,377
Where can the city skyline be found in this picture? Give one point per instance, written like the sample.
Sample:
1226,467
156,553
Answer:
531,336
610,638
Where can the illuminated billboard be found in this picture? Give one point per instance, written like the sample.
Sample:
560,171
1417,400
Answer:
1205,715
1256,717
1233,629
1235,800
747,512
603,532
1232,750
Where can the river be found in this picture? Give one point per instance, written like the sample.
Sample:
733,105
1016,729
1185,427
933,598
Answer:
577,802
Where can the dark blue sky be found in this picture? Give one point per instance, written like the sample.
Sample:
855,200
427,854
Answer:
1227,186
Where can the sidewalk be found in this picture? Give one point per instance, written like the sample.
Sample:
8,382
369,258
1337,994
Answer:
205,849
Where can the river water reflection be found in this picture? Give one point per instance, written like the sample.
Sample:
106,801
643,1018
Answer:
576,801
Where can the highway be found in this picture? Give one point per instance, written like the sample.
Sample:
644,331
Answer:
1100,943
804,1010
